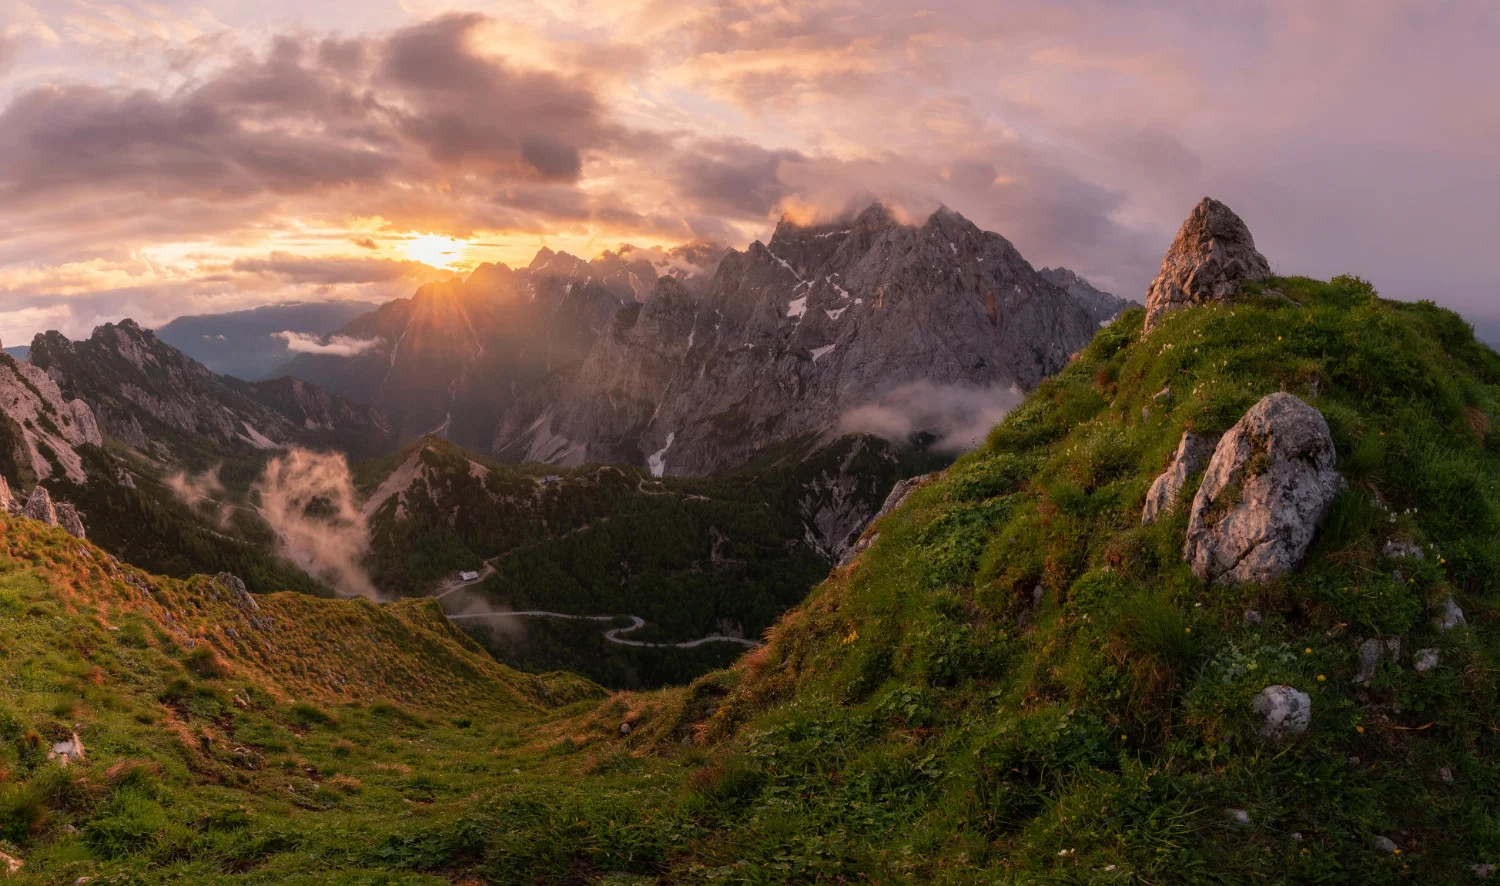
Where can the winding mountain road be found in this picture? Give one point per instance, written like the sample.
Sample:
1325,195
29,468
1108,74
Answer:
613,634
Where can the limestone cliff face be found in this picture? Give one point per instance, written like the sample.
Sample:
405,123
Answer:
42,429
791,335
600,413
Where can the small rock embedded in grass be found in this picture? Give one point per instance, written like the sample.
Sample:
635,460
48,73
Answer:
1450,617
1238,816
1253,617
1395,549
1482,871
68,751
1445,774
1371,652
1283,711
1193,452
1386,844
1427,660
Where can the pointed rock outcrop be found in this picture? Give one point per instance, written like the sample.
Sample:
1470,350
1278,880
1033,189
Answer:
235,587
39,507
1268,486
1192,454
1212,255
68,519
7,501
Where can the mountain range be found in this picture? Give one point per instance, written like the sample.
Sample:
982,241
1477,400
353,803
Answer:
826,328
457,354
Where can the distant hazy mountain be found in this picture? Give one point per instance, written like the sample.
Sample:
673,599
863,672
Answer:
246,344
1488,332
19,351
1102,306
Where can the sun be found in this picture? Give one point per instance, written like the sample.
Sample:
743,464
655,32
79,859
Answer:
434,249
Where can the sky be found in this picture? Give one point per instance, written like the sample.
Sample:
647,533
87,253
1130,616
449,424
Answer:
166,158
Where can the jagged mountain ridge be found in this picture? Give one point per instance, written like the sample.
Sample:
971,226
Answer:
454,356
724,352
791,335
158,400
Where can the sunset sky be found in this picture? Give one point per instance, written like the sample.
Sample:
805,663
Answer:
175,157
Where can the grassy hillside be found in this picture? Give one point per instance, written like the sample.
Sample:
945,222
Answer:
220,733
1016,683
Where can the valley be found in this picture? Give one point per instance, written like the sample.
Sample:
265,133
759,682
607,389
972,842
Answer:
364,488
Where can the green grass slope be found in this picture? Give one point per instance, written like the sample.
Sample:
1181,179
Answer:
217,731
1016,683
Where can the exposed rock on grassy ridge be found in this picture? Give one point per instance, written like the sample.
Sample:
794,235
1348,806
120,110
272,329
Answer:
1264,494
1209,261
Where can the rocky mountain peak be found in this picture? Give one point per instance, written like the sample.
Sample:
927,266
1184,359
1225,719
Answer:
492,278
1211,256
670,291
542,258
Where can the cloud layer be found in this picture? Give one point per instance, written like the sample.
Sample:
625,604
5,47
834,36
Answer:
161,159
956,417
335,345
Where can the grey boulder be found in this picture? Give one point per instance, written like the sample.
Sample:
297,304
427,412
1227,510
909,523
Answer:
1268,486
1192,454
1450,617
1283,712
235,588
